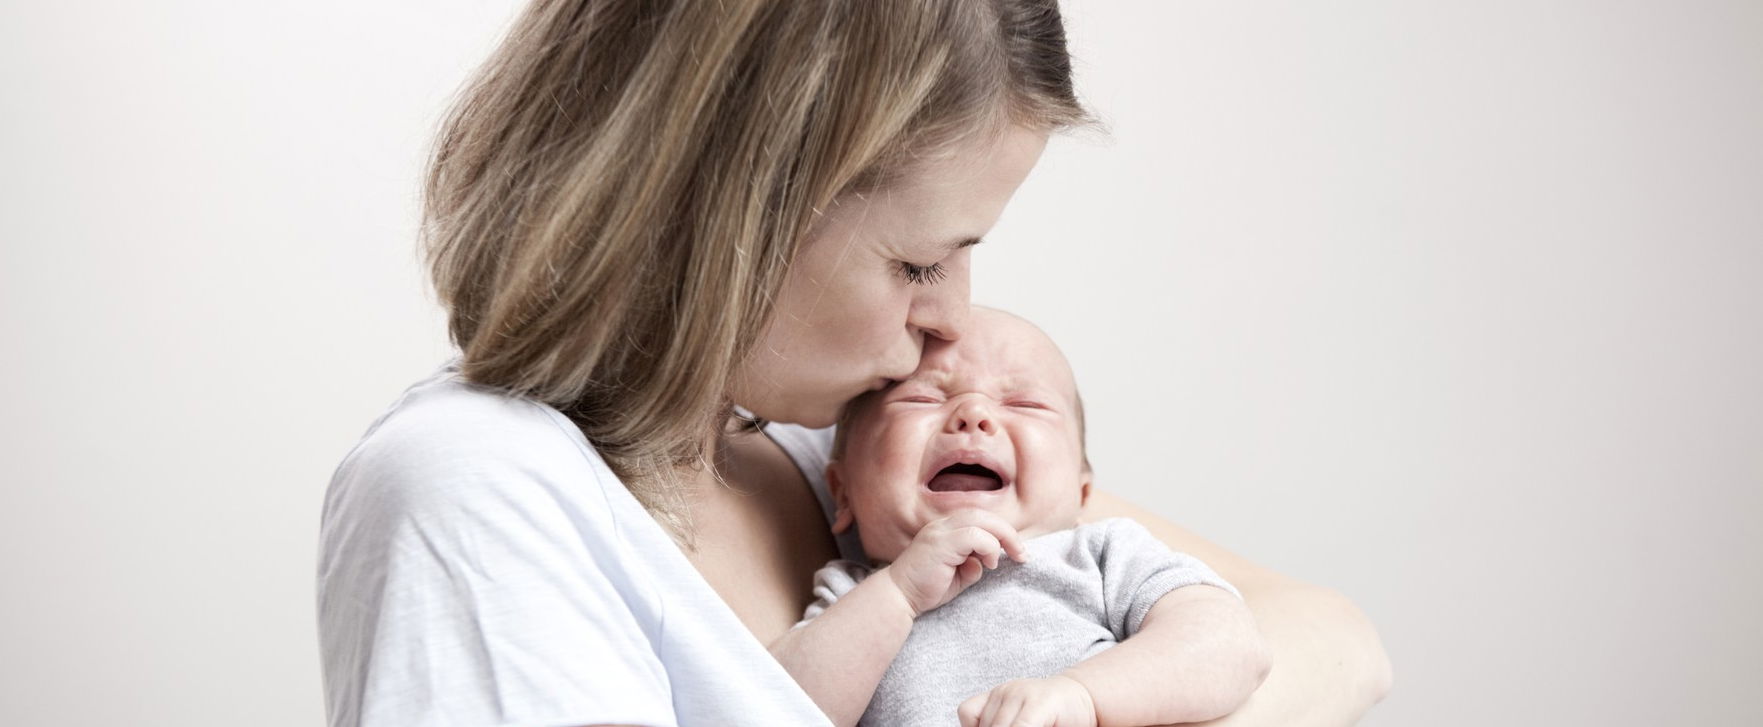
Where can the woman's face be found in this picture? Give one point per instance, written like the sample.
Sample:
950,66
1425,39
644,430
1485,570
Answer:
882,271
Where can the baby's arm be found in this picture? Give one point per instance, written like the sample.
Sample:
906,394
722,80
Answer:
1197,656
1189,649
839,656
1199,638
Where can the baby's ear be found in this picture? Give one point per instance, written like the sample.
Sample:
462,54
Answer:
835,485
1083,498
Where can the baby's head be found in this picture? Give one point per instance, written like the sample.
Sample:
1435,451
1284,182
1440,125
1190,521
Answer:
991,420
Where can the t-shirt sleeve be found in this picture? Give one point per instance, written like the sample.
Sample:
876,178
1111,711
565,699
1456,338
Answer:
1138,569
831,583
460,585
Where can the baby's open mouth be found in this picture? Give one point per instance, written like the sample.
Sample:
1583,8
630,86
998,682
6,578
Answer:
963,477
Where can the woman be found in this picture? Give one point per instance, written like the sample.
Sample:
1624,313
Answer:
654,226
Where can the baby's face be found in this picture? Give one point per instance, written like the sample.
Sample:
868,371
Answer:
988,421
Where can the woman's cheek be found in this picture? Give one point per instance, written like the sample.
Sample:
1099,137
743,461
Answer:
874,334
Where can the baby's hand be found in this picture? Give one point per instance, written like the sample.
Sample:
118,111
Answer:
1057,701
949,554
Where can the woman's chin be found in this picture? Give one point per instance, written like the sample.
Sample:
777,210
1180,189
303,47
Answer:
807,415
816,410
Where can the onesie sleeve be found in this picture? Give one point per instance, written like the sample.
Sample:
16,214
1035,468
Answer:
832,582
1138,569
467,578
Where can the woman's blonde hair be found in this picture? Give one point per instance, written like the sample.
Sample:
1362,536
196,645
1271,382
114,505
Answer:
613,202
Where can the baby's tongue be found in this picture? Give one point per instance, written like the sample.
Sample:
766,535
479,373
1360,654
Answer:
954,482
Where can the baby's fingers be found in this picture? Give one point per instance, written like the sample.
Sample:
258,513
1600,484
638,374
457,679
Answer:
1033,712
987,709
1009,709
969,572
1008,706
969,710
1008,539
975,542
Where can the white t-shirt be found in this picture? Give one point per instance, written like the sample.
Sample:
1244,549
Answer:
479,564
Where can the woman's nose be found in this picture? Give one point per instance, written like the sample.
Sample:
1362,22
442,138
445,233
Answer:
942,311
971,417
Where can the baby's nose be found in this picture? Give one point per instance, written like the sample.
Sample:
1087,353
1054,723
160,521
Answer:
972,417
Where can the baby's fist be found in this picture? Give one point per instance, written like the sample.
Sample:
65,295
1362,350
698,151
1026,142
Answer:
949,554
1057,701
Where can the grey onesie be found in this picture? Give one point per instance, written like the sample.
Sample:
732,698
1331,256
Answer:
1082,591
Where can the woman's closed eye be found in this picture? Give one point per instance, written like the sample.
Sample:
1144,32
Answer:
923,274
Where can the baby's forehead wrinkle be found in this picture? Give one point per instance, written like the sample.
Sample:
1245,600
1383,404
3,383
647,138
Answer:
1037,368
936,375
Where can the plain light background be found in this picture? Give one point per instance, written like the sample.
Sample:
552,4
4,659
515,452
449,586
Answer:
1454,307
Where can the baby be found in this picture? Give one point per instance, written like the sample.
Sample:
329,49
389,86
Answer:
978,455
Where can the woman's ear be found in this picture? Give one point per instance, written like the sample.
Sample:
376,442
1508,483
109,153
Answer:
835,485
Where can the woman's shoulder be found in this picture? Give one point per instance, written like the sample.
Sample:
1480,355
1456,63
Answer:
446,415
458,473
445,441
482,526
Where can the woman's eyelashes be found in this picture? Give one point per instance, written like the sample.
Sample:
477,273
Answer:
923,274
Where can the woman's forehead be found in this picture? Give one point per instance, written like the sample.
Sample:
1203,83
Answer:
950,201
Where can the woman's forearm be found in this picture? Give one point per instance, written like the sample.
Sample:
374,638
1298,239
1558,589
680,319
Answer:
1329,666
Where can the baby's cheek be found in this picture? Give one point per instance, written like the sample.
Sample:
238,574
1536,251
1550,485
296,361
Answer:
1052,484
1057,449
880,514
882,544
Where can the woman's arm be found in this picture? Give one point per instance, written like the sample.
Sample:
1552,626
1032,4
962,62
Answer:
1329,666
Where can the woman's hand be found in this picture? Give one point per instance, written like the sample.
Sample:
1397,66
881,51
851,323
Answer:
949,554
1056,701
